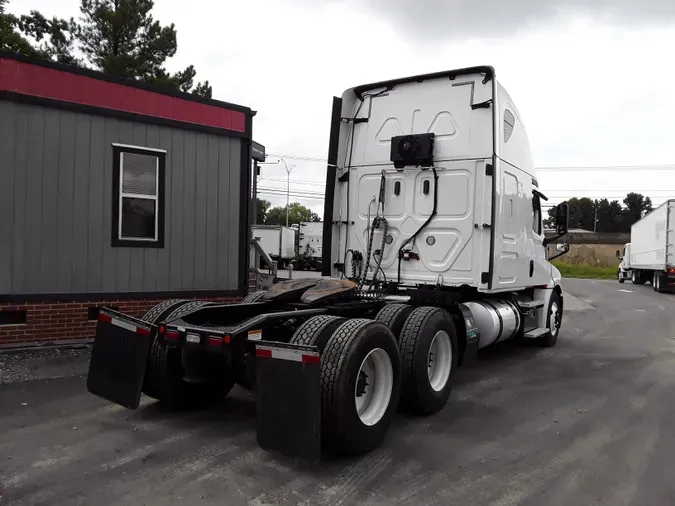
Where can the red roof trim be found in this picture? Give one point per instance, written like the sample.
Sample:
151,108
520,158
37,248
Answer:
51,83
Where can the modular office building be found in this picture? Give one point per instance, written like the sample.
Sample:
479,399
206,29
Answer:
115,194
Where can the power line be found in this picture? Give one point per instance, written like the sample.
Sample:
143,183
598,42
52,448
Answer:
657,167
293,181
297,157
645,168
299,192
282,195
618,190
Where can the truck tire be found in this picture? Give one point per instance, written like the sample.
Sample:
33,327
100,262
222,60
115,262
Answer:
165,371
157,313
317,331
253,297
637,278
394,316
360,381
656,282
553,322
154,316
429,358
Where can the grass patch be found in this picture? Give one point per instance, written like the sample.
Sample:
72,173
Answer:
585,271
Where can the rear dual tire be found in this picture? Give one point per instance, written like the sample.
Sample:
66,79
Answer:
429,358
393,316
427,339
656,282
364,371
360,380
637,278
164,374
253,297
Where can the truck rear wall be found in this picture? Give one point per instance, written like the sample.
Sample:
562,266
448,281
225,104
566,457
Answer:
287,242
653,238
312,236
277,241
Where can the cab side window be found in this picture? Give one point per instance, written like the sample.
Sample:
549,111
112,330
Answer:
536,214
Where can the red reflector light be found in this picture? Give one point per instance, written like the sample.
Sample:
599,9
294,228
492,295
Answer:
142,332
311,359
171,335
215,341
162,329
263,353
104,318
227,339
671,270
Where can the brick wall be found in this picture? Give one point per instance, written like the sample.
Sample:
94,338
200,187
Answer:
54,322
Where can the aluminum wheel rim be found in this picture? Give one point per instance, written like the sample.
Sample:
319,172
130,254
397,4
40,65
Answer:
553,319
439,360
374,384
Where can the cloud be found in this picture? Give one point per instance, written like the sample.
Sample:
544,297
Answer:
590,93
449,19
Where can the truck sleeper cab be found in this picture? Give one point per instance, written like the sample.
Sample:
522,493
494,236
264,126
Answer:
433,248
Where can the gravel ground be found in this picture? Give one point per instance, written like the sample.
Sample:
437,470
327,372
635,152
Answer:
18,366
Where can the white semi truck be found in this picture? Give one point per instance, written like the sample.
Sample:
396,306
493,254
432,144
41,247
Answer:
433,249
650,254
277,241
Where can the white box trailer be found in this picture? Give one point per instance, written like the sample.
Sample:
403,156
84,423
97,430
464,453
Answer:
277,241
650,254
310,245
311,236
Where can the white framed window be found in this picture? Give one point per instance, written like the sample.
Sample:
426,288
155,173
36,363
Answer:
138,204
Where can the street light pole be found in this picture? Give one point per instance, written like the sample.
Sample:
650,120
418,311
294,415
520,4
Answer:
288,187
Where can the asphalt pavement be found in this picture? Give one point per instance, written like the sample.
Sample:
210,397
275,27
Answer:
588,422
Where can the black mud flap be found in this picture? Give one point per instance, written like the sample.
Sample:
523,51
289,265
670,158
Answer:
118,358
288,383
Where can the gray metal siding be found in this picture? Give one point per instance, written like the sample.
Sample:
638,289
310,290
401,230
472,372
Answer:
56,192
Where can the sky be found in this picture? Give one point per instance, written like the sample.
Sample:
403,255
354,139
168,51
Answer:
592,79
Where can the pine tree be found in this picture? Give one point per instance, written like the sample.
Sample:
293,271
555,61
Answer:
117,37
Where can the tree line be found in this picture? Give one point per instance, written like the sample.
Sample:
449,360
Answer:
601,215
116,37
610,216
297,213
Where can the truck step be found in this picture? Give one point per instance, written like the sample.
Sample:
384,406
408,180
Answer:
534,333
530,304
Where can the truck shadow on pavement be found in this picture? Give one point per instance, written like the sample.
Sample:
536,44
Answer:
236,414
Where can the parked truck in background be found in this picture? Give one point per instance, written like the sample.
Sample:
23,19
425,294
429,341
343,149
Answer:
310,242
433,249
277,241
650,254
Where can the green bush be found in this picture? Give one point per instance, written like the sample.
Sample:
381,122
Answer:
585,271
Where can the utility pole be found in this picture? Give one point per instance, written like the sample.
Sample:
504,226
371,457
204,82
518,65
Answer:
288,187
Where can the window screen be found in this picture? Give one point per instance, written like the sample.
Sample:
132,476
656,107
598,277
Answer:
138,201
